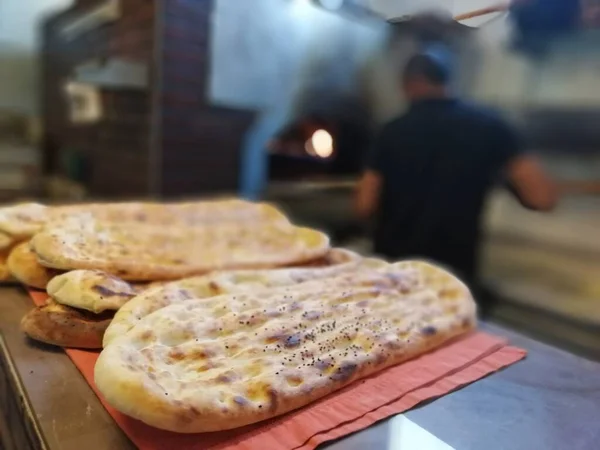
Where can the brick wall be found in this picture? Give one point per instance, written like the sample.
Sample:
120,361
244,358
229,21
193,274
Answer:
168,140
116,150
200,142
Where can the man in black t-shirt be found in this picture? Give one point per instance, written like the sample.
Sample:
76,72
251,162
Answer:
431,169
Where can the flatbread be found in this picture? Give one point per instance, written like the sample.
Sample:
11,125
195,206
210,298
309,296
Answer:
5,275
22,221
23,265
63,326
92,290
221,211
152,253
374,264
6,242
211,365
218,283
190,213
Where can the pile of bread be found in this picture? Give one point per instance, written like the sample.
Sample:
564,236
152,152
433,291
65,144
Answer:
215,315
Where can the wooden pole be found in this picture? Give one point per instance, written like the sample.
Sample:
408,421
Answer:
500,7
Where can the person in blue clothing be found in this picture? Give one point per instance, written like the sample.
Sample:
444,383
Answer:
430,170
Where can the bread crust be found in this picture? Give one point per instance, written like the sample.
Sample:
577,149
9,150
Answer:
6,242
340,261
24,266
203,366
63,326
22,221
91,290
5,275
151,253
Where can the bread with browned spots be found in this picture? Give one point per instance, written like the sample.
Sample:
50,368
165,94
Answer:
337,261
138,252
64,326
92,290
21,221
206,365
24,266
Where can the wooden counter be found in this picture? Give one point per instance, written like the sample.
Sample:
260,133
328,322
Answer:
551,401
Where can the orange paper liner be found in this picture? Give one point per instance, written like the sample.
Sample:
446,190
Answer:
352,409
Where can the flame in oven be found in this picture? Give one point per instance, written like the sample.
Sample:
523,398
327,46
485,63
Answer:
320,144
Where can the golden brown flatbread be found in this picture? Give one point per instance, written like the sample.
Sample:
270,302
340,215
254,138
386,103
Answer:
218,283
22,221
66,327
210,365
186,214
91,290
24,267
5,275
6,242
152,253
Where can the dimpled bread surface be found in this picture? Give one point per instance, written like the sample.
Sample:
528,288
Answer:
217,283
213,364
91,290
150,253
22,221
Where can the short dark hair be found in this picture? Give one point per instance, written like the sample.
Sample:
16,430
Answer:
431,66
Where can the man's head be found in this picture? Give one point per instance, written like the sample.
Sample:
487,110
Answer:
427,75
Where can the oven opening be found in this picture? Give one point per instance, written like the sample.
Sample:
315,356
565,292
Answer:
315,147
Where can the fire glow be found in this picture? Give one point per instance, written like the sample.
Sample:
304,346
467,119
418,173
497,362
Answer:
320,144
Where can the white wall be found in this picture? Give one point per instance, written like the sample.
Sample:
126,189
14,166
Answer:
567,77
570,76
264,51
18,52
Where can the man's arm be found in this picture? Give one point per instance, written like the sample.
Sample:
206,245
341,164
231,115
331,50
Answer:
526,177
367,194
534,188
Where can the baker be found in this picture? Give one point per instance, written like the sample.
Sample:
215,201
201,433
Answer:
431,169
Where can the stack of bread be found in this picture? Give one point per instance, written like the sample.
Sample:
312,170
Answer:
215,315
20,223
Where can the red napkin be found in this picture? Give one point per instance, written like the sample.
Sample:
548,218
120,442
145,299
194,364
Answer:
354,408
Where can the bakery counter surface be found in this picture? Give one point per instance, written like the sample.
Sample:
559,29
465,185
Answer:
551,400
